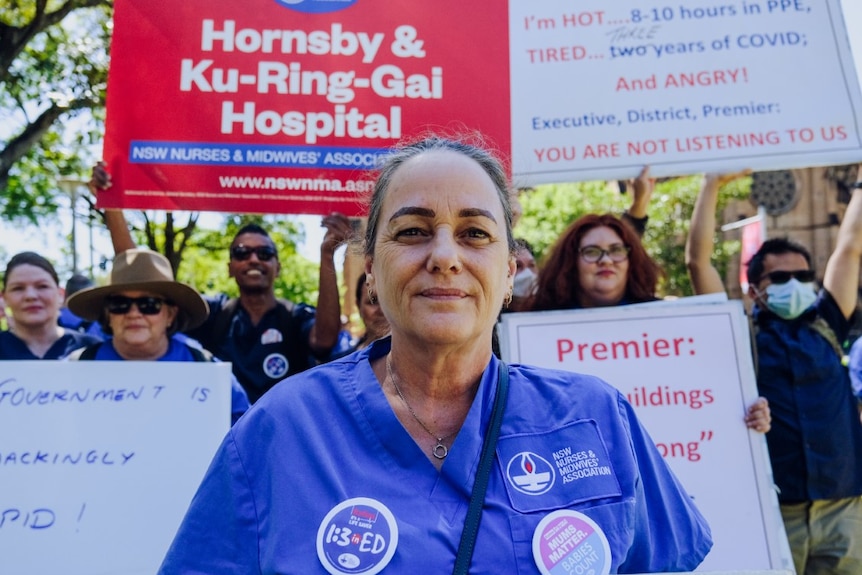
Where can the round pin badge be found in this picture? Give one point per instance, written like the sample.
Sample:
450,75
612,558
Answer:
357,536
567,542
271,335
275,366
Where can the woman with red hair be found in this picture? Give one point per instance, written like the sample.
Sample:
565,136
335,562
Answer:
598,261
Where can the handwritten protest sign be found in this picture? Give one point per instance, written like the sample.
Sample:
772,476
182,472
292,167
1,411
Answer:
687,371
99,460
682,86
277,106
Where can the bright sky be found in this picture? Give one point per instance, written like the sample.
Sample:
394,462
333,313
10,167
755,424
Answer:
51,240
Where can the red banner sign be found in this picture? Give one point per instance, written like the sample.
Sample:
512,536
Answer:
283,106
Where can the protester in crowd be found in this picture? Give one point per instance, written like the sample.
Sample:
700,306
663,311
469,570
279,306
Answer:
600,261
32,292
526,276
816,437
142,308
382,448
74,284
374,322
597,261
264,338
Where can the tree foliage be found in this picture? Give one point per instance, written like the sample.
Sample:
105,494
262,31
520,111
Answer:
549,209
53,72
204,264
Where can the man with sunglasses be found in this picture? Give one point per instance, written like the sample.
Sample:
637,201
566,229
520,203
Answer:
266,339
815,443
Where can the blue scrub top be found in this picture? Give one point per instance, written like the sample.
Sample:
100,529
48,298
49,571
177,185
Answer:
321,477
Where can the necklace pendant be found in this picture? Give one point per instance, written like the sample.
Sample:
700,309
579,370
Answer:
440,451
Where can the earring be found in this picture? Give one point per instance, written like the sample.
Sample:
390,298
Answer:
371,296
508,300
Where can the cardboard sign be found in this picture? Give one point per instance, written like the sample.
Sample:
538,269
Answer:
99,460
685,87
687,370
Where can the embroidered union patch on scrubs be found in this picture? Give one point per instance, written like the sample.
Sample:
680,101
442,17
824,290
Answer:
357,536
567,542
557,468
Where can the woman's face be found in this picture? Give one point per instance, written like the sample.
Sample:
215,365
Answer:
137,330
603,283
441,267
33,296
376,324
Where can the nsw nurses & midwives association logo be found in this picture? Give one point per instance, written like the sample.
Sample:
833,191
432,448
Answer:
530,473
316,6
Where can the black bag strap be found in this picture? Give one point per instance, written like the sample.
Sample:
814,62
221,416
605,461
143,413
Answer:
222,320
89,352
200,354
483,474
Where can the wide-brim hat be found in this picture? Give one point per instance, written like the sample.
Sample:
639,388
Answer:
142,270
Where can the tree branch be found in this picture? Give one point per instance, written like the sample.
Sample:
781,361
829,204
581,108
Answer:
13,39
30,136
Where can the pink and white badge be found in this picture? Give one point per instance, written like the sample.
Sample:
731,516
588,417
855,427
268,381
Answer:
567,542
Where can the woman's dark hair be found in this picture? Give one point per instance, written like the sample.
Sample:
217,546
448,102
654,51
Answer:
400,155
559,285
31,259
360,289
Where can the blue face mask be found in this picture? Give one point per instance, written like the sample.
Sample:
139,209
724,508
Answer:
789,300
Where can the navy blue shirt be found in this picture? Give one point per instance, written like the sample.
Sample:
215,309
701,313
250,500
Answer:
262,354
816,437
12,347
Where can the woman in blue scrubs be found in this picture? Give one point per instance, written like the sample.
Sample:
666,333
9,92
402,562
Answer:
371,463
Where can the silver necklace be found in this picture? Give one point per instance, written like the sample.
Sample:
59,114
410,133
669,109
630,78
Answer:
440,451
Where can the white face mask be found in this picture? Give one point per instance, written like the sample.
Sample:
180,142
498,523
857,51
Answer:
525,283
789,300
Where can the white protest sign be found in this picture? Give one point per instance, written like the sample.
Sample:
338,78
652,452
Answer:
99,460
687,370
682,86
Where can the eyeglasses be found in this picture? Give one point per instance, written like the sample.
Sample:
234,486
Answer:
242,253
592,254
147,305
782,277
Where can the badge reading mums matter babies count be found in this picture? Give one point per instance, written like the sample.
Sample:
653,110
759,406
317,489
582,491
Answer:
357,536
570,543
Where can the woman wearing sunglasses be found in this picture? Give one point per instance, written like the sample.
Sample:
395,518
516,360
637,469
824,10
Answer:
143,308
32,292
